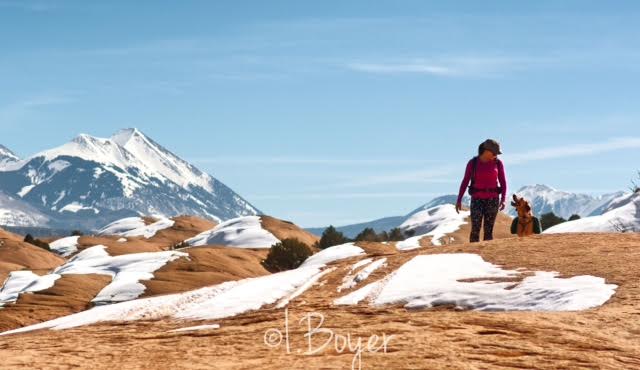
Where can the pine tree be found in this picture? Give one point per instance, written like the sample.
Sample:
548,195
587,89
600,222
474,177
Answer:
331,237
368,235
396,235
286,255
550,219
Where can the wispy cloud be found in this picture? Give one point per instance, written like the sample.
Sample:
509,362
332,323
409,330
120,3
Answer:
463,66
312,161
421,68
28,5
575,150
15,111
354,195
445,173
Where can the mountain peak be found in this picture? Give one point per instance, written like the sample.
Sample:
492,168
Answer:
126,174
537,187
122,137
7,155
85,139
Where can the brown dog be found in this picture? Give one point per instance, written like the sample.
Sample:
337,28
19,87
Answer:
525,217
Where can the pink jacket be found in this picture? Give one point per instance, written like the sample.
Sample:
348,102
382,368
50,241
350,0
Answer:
488,175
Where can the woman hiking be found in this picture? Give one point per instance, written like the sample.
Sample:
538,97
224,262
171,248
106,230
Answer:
488,189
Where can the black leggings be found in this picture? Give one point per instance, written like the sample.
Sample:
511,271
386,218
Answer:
486,209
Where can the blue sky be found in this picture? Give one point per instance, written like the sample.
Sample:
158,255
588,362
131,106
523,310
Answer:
335,111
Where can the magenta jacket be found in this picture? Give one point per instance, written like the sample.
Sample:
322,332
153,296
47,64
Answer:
488,175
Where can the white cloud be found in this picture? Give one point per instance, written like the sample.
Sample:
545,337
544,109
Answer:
355,195
29,5
444,174
422,68
574,150
311,161
460,66
16,110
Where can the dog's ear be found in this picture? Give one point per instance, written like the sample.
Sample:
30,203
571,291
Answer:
514,204
515,198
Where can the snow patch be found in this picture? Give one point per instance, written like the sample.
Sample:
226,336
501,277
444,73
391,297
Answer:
350,281
333,254
65,246
25,190
242,232
434,280
74,207
215,302
24,281
434,222
135,226
126,270
58,165
194,328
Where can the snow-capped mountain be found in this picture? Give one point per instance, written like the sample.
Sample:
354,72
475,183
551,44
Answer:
439,201
125,175
388,223
623,215
16,212
7,156
544,199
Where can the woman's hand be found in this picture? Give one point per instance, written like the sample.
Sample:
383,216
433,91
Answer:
502,205
458,207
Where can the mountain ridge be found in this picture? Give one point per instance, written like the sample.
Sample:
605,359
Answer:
127,174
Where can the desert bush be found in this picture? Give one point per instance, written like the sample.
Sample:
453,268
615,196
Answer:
574,217
550,219
178,246
77,233
396,234
37,242
368,235
286,255
331,237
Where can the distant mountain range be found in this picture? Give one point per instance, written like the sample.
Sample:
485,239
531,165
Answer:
388,223
621,215
91,181
542,198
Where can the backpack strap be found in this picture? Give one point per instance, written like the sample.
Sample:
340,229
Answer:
474,168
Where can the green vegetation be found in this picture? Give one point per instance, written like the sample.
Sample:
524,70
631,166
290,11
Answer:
37,242
550,219
286,255
331,237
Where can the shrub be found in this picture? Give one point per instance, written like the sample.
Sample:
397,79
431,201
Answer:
331,237
550,219
383,236
37,242
396,235
178,245
77,233
368,235
286,255
574,217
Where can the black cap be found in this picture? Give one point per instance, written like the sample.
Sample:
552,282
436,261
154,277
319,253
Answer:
492,146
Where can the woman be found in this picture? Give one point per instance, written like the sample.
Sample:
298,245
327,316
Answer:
487,196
